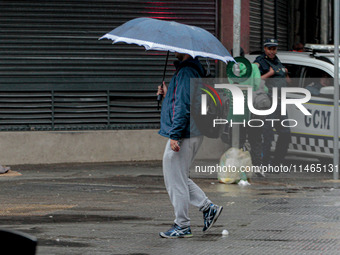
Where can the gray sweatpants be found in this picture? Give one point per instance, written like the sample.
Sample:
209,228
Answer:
181,189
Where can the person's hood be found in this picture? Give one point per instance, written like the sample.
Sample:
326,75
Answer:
193,62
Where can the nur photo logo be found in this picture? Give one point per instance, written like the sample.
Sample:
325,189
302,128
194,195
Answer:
279,98
204,98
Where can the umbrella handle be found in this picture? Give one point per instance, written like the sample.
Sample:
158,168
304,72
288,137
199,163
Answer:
159,97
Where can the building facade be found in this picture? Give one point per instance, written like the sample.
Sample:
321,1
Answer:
55,75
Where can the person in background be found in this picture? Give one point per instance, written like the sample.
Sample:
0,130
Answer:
253,134
315,87
276,76
298,47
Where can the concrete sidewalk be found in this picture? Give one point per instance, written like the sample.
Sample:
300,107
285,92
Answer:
114,208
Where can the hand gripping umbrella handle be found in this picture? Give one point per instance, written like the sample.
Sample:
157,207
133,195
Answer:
159,97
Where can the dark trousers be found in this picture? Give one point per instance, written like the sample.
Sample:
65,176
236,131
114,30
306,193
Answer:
256,144
268,137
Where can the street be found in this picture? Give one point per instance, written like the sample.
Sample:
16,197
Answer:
113,208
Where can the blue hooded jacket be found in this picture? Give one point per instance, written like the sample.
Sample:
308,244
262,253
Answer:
176,122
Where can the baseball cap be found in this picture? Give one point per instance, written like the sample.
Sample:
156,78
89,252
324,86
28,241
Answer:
271,42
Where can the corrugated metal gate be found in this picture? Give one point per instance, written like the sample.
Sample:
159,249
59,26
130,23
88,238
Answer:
268,19
56,75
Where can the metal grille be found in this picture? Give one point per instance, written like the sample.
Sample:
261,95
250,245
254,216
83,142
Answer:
46,46
53,108
268,19
282,24
255,25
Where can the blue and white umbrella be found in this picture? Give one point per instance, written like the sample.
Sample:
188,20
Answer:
162,35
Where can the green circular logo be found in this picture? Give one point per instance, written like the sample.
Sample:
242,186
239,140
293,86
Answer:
243,77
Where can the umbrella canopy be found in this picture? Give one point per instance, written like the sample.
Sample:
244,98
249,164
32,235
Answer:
162,35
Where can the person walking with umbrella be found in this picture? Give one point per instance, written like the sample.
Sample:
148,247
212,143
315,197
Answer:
181,148
187,42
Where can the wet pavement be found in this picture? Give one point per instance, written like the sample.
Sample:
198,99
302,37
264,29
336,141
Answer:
113,208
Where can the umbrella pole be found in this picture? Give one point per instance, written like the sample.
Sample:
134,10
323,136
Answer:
159,97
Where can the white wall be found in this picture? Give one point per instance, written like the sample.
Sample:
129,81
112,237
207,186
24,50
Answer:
49,147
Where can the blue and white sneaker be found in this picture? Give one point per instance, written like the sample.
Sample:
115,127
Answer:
210,216
176,232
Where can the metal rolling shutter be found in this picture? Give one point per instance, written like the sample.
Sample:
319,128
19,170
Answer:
268,19
255,24
55,74
282,24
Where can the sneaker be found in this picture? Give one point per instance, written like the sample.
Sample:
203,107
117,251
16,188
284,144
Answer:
176,232
210,216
